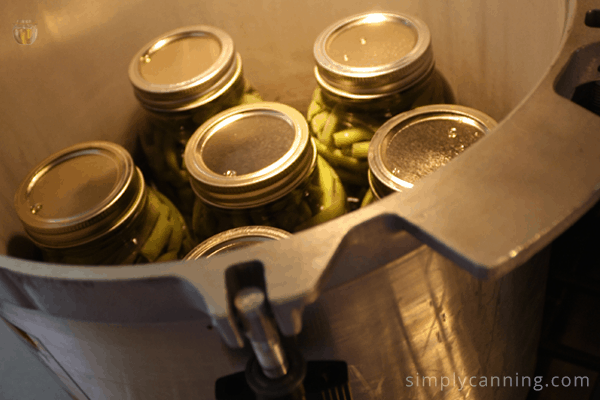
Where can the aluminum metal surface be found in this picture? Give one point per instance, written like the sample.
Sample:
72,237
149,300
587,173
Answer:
419,316
373,54
250,155
79,194
261,330
235,239
416,143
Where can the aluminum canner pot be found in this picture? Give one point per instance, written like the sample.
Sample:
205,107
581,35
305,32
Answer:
445,279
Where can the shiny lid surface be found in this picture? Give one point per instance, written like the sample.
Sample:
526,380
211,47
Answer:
373,54
250,155
414,144
78,193
184,67
234,239
180,60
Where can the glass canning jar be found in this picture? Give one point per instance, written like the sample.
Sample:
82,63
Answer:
88,204
369,67
257,165
183,78
416,143
234,239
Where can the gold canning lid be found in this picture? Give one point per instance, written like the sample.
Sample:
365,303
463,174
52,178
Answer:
250,155
416,143
80,194
372,55
184,68
234,239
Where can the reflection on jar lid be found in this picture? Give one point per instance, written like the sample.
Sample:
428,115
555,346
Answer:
248,142
184,68
235,239
79,193
373,54
180,60
250,155
371,44
414,144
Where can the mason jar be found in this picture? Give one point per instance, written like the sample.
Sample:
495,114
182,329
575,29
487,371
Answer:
88,204
369,67
257,165
416,143
183,78
234,239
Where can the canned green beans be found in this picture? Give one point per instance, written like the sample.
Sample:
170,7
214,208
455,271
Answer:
88,204
257,165
183,78
416,143
369,67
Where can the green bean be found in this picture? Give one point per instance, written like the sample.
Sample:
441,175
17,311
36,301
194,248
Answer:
328,213
368,199
171,158
176,239
348,137
318,122
337,159
326,134
339,203
161,233
317,97
313,109
349,163
360,150
325,153
329,184
319,218
152,214
168,256
251,98
363,121
346,151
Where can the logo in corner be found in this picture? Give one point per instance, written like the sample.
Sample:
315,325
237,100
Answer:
25,31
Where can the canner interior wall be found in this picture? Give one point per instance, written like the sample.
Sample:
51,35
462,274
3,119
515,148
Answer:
71,85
